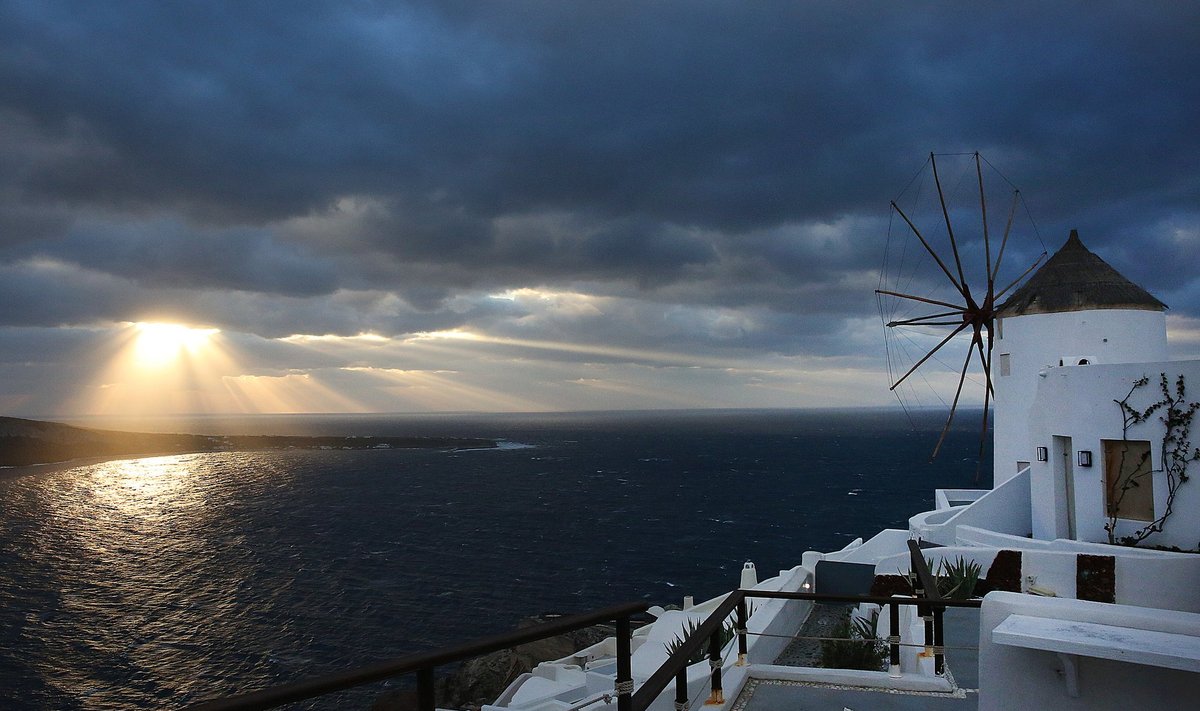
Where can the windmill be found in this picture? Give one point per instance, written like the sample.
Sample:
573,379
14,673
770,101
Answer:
945,274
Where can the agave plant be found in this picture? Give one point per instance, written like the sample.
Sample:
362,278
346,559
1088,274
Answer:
724,635
957,580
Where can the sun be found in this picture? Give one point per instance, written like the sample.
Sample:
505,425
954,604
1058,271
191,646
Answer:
163,343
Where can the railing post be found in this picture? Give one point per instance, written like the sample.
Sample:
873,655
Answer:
927,615
425,695
894,640
717,696
939,654
681,690
926,589
742,618
624,680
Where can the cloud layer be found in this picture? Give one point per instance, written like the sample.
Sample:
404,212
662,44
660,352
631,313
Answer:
708,180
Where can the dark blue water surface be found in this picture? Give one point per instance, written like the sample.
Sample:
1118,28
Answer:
153,583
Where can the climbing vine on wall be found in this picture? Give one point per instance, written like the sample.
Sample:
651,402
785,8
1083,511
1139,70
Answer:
1176,414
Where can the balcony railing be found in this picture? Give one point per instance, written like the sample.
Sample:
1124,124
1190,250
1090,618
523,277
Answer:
424,664
929,602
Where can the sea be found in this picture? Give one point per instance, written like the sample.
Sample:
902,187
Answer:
159,582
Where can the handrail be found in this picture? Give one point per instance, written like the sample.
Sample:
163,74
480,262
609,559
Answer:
821,597
422,663
678,661
921,569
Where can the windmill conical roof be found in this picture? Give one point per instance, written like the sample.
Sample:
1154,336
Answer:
1075,279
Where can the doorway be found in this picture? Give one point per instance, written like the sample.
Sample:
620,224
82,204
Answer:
1064,488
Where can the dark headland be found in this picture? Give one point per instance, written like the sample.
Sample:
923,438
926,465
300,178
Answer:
26,442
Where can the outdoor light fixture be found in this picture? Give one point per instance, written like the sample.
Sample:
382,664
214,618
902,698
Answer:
1042,454
1085,458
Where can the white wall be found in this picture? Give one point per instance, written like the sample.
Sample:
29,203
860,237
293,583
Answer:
1005,509
1018,679
1035,342
1079,402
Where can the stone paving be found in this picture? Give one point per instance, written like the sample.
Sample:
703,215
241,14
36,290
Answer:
821,621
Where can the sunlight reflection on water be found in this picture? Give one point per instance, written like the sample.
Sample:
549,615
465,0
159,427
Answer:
140,563
153,490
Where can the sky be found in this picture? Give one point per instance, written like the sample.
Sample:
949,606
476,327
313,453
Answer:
541,206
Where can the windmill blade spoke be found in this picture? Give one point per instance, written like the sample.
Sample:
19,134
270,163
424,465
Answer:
929,355
919,348
987,245
1004,242
983,431
945,270
894,324
1023,275
922,299
987,364
984,360
949,229
962,376
926,320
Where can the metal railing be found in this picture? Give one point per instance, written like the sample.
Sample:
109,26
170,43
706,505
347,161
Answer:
424,664
929,602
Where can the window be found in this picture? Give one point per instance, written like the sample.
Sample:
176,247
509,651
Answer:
1128,479
1005,364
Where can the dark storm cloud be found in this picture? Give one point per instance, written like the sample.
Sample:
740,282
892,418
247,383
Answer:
168,254
717,115
700,155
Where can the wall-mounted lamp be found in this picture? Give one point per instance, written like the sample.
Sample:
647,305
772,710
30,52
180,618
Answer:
1085,458
1042,454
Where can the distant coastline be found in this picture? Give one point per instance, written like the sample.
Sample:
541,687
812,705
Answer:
33,442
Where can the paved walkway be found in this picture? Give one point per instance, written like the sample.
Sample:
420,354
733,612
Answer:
821,621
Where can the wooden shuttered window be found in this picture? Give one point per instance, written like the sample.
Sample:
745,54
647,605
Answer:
1128,479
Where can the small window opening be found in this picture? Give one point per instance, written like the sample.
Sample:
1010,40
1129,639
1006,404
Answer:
1128,479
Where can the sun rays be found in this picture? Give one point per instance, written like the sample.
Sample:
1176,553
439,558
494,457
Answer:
165,368
158,368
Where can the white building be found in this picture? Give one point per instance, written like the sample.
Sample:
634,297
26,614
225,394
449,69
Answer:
1072,621
1072,342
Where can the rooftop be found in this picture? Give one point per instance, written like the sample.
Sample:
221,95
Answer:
1075,279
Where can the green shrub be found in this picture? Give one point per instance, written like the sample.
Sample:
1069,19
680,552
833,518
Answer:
856,646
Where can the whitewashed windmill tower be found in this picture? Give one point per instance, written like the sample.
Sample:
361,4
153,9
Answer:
1073,312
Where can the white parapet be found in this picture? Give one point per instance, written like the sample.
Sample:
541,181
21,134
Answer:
1073,655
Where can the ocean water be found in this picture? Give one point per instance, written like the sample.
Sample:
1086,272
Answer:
158,582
